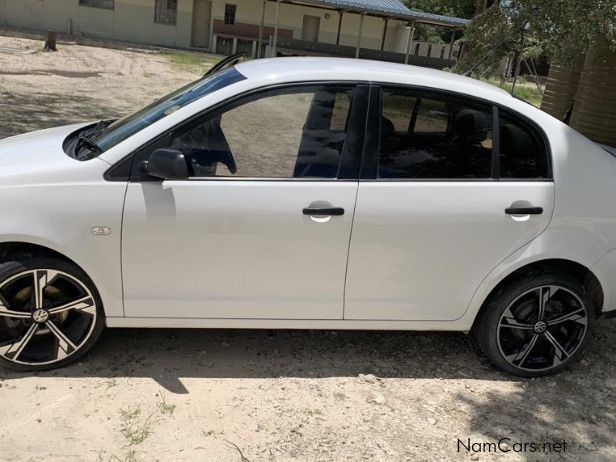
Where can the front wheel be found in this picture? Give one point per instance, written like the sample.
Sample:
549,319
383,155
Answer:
50,314
536,325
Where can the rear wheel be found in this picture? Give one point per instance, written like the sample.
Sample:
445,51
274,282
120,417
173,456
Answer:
50,314
536,325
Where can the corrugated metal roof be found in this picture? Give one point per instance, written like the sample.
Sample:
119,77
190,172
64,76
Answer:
390,8
437,18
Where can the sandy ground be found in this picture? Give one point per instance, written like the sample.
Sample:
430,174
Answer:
258,395
79,83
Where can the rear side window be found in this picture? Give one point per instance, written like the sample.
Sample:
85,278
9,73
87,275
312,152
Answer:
523,154
433,136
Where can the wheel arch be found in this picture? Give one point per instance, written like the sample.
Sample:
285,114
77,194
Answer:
580,272
21,249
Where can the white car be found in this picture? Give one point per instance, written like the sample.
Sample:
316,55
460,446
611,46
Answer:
311,193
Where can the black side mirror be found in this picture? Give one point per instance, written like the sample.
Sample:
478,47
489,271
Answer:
167,164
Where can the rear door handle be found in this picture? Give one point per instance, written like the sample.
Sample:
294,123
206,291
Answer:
323,211
524,210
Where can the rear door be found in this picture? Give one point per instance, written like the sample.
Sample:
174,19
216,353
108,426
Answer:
441,202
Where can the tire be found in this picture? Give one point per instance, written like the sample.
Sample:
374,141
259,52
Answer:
521,338
54,328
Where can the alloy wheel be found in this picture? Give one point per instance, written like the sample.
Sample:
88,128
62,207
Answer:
542,328
46,316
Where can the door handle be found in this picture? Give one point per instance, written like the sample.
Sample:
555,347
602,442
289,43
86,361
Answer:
323,211
524,210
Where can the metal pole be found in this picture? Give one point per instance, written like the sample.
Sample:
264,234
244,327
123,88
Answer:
261,27
340,13
361,26
409,42
275,45
453,39
386,20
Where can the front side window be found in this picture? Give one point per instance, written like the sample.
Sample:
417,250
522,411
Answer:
433,136
106,4
166,11
230,14
296,132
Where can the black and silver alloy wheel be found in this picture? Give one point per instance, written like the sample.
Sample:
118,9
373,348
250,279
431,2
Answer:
49,314
542,328
537,325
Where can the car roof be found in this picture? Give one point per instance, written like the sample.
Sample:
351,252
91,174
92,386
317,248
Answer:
292,69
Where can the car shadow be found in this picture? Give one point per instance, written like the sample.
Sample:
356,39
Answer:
167,355
576,406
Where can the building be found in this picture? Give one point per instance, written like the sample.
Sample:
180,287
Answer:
374,29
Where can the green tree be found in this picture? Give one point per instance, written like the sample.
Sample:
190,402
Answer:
457,8
569,32
559,29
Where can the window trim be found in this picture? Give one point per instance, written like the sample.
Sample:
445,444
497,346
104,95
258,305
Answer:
165,23
349,163
369,160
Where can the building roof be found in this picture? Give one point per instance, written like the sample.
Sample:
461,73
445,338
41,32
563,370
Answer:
388,8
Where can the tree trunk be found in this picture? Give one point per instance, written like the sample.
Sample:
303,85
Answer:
50,42
560,89
594,111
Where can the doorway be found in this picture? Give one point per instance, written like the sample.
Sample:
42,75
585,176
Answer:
310,28
202,13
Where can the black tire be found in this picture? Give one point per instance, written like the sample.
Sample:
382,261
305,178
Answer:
502,328
68,333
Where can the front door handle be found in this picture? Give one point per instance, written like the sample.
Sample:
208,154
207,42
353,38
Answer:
524,210
323,211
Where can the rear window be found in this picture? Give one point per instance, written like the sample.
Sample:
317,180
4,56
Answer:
425,135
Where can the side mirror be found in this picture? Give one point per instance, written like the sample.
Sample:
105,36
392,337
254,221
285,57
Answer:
167,164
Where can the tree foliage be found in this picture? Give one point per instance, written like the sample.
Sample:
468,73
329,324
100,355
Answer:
559,29
457,8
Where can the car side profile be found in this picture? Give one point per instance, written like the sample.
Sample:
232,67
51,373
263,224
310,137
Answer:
314,193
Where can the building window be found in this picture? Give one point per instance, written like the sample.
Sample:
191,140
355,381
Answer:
106,4
230,14
166,11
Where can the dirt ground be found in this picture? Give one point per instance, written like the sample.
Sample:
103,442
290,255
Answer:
185,395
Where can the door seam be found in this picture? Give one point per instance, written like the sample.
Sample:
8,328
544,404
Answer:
346,270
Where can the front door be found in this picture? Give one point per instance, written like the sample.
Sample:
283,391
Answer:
202,12
310,28
262,227
431,220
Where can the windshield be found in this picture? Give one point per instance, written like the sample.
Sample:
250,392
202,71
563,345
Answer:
103,139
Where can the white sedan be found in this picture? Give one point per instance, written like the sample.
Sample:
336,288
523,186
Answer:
311,193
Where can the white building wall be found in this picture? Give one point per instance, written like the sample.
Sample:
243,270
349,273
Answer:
291,17
133,20
130,20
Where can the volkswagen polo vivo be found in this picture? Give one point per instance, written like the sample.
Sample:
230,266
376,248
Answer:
311,193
